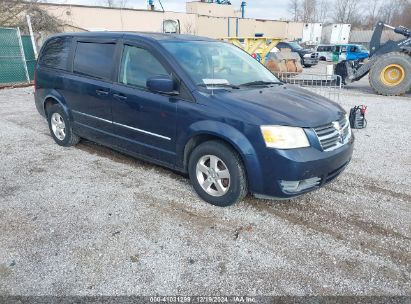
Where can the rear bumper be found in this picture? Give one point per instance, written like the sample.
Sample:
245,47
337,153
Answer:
39,102
290,173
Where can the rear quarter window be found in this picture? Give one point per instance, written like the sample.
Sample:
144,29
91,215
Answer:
94,59
55,53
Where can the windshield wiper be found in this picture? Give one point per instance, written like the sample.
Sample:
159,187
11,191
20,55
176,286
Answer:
218,85
259,82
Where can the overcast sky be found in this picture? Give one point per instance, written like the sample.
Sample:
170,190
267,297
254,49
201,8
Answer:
265,9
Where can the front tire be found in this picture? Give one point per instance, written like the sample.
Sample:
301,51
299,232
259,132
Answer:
60,126
391,74
217,173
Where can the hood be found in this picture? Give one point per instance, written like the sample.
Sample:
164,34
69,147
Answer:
280,104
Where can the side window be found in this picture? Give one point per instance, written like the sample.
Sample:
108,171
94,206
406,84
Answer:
138,65
55,53
94,59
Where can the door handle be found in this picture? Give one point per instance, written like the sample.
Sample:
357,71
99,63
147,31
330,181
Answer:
102,92
119,96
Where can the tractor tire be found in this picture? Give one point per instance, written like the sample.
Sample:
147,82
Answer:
390,75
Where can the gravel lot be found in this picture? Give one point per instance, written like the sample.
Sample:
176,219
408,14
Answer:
89,221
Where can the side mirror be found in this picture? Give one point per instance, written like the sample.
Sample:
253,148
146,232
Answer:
161,84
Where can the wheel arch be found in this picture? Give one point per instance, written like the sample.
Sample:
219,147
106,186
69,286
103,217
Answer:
210,130
200,138
55,98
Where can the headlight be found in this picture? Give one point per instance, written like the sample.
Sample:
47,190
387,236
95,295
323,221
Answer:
307,55
282,137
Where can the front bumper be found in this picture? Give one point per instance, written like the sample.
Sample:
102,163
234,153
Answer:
312,61
290,173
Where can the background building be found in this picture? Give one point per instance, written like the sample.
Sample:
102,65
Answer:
204,19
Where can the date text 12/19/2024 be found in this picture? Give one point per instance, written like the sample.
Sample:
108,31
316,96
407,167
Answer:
202,299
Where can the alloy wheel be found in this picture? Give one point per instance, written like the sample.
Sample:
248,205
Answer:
213,175
58,126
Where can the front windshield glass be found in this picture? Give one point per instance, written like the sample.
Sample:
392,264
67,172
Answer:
214,63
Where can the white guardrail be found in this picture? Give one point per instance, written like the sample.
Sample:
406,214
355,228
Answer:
329,86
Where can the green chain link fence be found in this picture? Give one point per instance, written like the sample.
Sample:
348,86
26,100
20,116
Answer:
29,55
17,59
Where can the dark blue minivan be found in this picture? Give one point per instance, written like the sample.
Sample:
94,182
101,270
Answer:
195,105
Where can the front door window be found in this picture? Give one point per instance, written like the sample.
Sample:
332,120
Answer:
137,66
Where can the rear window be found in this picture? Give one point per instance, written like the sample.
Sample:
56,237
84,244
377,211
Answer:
94,59
55,53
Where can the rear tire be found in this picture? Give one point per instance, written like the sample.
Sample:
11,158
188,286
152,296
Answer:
60,126
379,77
222,184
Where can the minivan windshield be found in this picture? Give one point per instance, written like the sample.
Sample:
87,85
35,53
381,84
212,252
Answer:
218,64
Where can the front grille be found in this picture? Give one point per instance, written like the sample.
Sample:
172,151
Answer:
314,55
334,134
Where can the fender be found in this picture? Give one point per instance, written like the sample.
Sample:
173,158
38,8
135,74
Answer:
55,95
229,134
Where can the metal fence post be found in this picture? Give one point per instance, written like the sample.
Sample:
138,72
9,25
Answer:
22,55
32,36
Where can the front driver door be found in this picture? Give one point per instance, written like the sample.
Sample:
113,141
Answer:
144,122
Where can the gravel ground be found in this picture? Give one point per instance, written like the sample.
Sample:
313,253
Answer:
87,220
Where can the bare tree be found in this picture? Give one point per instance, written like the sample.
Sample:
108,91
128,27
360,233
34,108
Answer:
372,12
404,16
294,9
15,16
346,11
323,8
395,12
361,14
109,3
309,10
115,3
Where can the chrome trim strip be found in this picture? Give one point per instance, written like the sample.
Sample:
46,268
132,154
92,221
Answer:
91,116
124,126
142,131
